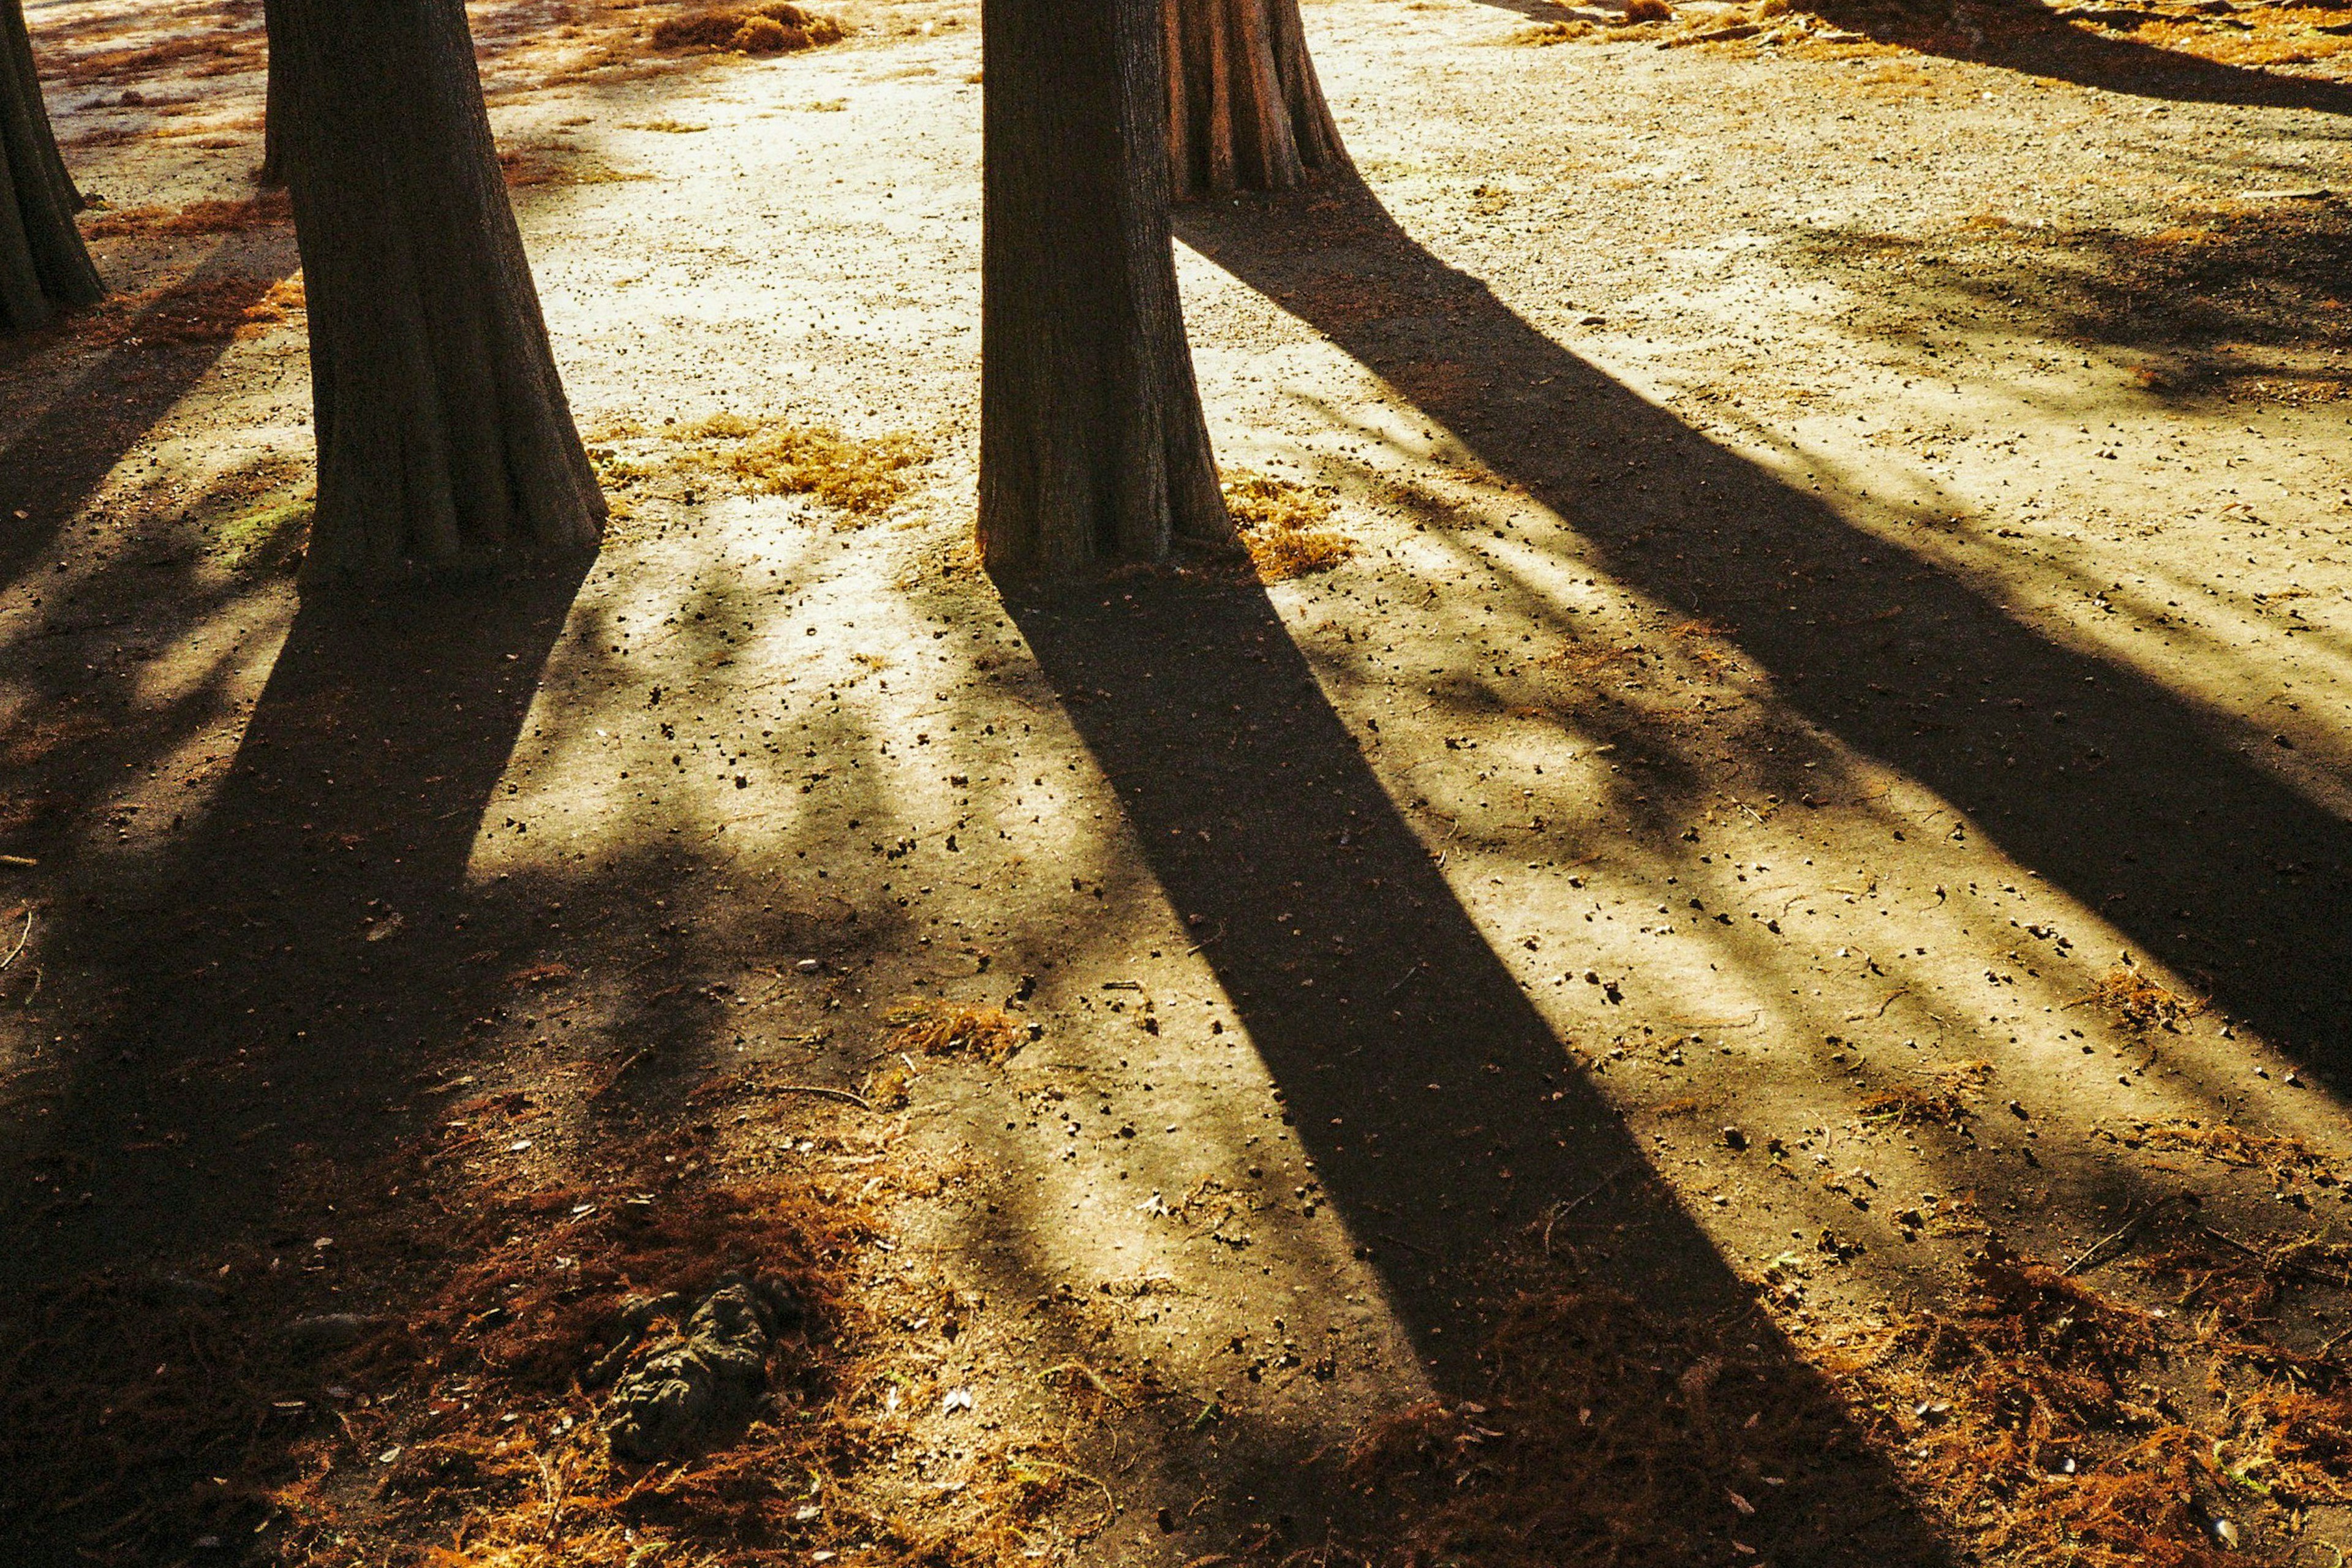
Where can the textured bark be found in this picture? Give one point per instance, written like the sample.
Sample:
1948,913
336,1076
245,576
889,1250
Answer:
44,266
444,441
271,175
1245,110
1093,449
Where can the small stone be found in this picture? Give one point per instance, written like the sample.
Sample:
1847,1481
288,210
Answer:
1733,1138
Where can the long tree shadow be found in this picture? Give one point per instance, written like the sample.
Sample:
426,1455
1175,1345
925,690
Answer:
2115,788
2037,41
260,996
52,467
1442,1112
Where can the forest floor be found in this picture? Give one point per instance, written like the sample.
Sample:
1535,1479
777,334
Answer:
1756,973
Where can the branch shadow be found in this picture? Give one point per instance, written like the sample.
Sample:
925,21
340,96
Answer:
268,991
2117,790
56,464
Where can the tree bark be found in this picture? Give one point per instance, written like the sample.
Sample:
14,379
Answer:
444,441
271,175
44,266
1093,449
1245,110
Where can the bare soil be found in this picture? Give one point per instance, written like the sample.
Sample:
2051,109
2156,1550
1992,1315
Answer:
1733,952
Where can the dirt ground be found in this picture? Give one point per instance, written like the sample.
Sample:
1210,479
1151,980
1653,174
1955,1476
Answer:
1591,1030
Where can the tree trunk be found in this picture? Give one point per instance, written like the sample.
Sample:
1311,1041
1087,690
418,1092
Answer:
271,175
1092,446
44,266
445,442
1245,110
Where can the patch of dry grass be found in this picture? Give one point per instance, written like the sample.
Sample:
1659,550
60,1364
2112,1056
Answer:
1946,1098
426,1389
1581,660
2285,1159
775,27
949,1028
196,218
2138,1003
775,457
1283,525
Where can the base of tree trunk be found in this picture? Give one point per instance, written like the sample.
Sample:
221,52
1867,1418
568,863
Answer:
1245,111
1092,449
446,443
44,266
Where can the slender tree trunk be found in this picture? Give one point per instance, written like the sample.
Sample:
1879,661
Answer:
1092,446
444,441
44,266
271,175
1245,110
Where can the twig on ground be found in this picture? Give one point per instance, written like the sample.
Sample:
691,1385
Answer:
1883,1006
2098,1252
1562,1210
823,1092
23,937
1087,1375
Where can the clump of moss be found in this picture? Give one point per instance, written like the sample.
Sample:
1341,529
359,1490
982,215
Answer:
268,533
1281,526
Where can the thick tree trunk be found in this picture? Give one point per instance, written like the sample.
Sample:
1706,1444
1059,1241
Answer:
1092,447
1245,110
44,266
444,441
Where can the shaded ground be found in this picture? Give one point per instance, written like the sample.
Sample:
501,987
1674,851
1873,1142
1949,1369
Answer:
1583,1033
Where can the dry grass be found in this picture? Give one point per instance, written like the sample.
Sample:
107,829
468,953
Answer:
1583,660
1544,32
948,1028
774,456
2025,1426
2138,1003
524,168
424,1389
192,310
2017,1421
1282,525
196,218
210,55
2285,1159
1946,1098
1648,11
766,29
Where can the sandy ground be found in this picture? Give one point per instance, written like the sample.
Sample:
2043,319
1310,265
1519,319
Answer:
1847,566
